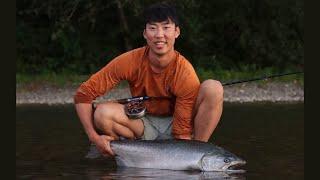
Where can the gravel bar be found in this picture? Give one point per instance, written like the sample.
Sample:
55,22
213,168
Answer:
239,93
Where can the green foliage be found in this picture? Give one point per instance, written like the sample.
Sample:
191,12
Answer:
246,72
50,78
223,35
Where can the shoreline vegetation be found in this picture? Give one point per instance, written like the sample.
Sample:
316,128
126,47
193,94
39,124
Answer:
224,40
53,89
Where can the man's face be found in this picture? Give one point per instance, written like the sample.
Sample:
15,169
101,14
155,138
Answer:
161,36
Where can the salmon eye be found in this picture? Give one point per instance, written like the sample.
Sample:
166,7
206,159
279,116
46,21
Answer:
227,160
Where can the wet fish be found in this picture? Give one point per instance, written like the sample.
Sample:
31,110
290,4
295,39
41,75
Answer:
175,155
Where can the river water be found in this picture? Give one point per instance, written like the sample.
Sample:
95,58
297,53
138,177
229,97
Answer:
51,144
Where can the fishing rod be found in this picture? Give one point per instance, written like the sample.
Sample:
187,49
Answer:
143,98
135,109
260,78
136,98
127,100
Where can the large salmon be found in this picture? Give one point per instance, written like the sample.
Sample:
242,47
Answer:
175,155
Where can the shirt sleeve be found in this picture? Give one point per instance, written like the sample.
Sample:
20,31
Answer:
120,68
186,95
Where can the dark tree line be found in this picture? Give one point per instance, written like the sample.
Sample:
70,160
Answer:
81,36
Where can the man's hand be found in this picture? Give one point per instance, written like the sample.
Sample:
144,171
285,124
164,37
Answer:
103,145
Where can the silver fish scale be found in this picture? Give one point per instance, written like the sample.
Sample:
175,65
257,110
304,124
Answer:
162,154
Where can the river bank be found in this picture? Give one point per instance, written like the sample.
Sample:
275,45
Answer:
280,92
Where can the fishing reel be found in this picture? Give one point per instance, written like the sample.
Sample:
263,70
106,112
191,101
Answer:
135,109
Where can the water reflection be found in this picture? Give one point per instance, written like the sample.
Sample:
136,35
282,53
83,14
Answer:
139,173
51,144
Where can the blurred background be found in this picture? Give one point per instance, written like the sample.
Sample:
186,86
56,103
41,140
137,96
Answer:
223,39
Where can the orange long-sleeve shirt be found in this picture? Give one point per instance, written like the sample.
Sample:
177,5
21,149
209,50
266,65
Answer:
178,82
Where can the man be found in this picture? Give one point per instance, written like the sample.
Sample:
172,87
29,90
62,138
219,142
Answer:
187,110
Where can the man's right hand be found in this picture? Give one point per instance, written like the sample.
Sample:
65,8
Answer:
102,143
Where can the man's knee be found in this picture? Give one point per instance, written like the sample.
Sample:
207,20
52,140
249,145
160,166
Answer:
103,116
111,119
211,88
